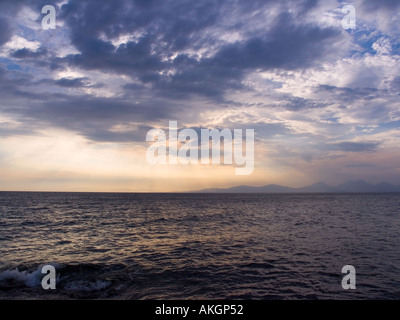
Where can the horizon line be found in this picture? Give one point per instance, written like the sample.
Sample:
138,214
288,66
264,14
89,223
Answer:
203,190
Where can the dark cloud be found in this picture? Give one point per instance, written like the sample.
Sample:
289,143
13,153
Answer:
73,83
29,54
131,135
268,130
199,78
5,32
286,46
358,92
94,117
173,22
296,104
166,80
355,146
350,95
162,87
11,81
164,26
167,27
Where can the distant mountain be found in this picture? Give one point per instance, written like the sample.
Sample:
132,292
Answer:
386,187
362,186
272,188
319,187
356,186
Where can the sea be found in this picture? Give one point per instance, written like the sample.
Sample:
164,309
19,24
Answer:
199,246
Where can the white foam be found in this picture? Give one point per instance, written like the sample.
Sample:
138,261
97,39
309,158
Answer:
30,279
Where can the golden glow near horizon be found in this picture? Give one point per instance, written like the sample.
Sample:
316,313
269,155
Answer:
58,160
62,161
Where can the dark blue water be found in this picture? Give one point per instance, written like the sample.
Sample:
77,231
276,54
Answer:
199,246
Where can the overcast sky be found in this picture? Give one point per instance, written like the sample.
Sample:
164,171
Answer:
77,101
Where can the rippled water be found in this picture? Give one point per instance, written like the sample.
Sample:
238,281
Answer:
195,246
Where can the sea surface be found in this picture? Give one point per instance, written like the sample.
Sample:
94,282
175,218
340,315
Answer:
199,246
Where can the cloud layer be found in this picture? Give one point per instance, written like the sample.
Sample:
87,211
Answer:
320,98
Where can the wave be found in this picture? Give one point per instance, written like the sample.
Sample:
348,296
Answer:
30,279
69,278
87,286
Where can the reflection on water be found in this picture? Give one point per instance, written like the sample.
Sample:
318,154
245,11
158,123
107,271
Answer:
237,246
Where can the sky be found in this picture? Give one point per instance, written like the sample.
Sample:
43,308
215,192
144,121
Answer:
77,101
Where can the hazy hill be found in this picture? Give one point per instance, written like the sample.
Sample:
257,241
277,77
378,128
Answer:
349,186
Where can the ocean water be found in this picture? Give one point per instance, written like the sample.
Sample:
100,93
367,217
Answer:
199,246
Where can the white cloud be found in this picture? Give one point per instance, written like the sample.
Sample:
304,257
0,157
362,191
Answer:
18,42
382,46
